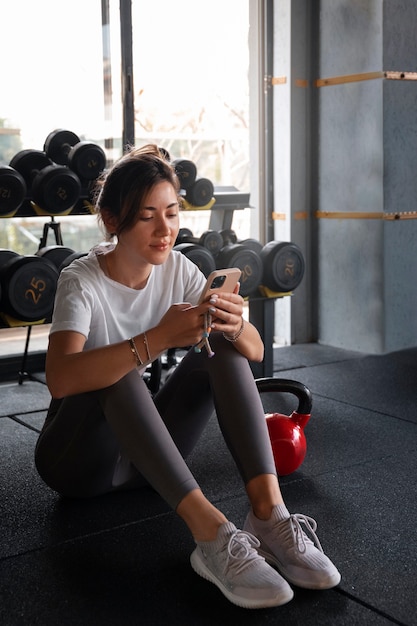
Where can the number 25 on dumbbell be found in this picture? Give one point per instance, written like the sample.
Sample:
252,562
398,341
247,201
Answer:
28,285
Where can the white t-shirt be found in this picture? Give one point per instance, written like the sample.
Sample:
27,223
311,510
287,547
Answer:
104,311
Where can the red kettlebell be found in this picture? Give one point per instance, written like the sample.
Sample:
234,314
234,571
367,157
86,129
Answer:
286,433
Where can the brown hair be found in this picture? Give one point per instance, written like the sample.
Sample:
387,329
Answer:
120,192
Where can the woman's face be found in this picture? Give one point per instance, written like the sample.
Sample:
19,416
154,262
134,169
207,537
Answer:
151,239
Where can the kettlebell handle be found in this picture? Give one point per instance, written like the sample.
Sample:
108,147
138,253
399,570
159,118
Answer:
285,385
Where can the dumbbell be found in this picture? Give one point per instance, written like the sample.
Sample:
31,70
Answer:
199,255
55,254
210,239
5,255
12,191
229,236
86,159
164,153
70,258
283,266
54,189
186,171
28,286
60,256
200,192
248,261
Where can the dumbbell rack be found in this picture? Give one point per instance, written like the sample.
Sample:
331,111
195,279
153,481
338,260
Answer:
228,199
56,228
261,315
261,309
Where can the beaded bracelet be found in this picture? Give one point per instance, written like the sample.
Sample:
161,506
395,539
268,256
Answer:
235,337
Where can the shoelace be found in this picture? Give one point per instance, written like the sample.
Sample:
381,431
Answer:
300,538
241,551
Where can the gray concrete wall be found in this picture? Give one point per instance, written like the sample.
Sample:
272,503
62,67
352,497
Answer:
345,154
366,163
400,174
350,176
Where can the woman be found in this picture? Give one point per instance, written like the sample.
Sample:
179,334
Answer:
118,309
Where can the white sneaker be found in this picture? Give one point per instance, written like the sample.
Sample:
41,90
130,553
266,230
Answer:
235,567
284,544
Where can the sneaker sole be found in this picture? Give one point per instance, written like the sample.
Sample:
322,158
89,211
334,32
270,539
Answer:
202,570
328,583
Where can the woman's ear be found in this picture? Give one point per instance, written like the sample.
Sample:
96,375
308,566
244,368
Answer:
110,221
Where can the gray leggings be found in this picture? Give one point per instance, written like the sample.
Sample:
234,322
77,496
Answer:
85,436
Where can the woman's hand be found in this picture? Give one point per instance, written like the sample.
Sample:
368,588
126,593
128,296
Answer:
227,317
227,312
182,325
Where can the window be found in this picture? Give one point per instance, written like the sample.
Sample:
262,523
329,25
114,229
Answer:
191,90
191,83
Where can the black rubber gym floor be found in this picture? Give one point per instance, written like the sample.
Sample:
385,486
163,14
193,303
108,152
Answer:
124,559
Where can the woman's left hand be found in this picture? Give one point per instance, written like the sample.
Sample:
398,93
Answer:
227,316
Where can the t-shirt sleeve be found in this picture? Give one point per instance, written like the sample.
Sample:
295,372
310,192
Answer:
73,307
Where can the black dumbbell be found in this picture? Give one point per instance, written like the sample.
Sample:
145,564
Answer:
87,159
199,255
184,233
55,254
210,239
186,171
12,191
70,258
28,286
248,261
200,192
5,255
283,266
229,236
164,154
54,189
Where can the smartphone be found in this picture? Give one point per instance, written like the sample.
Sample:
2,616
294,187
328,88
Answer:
221,280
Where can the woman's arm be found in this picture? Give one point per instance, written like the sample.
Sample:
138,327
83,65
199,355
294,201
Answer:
70,369
229,320
249,342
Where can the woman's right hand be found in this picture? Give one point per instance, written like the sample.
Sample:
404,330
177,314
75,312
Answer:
182,325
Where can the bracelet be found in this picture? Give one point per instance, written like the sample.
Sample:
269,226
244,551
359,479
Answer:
145,341
135,352
235,337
